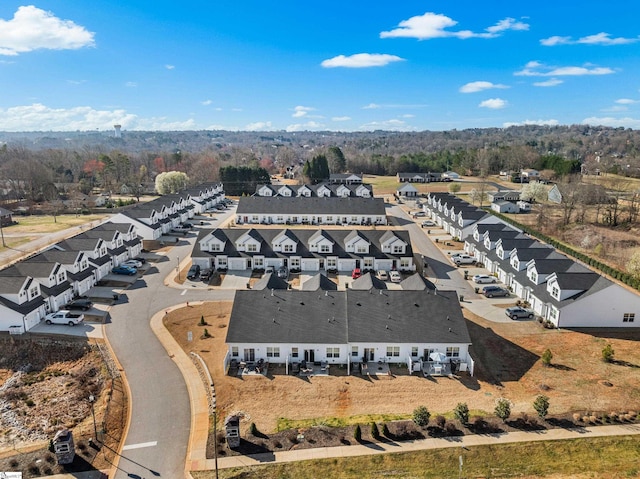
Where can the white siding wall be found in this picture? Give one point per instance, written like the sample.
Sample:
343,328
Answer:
604,309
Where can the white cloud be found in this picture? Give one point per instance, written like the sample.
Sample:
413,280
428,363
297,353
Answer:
477,86
301,111
549,83
361,60
408,115
376,106
131,84
259,126
435,25
493,103
539,69
161,123
32,28
601,38
206,102
613,122
371,106
310,125
389,125
615,108
532,122
341,118
169,67
626,101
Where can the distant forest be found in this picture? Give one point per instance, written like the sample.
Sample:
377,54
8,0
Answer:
40,166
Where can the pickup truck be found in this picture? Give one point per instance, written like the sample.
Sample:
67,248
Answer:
64,317
463,259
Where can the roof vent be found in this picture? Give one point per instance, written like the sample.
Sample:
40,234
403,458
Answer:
386,327
301,303
271,291
449,329
326,293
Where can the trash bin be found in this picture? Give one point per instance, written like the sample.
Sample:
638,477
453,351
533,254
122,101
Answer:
115,297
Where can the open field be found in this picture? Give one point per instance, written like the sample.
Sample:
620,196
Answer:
613,458
508,365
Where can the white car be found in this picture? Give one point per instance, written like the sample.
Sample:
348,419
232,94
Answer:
382,275
484,278
463,259
133,263
395,277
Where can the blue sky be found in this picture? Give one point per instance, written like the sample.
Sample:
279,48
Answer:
290,65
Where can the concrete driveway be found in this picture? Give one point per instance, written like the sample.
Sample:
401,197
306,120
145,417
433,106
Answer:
236,279
87,329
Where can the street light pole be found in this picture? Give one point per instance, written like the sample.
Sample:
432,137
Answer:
92,399
178,267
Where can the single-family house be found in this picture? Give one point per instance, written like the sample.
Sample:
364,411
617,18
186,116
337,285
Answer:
407,190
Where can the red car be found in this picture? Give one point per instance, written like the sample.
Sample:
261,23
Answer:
356,273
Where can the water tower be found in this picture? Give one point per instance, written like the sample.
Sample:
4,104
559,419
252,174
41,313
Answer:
118,134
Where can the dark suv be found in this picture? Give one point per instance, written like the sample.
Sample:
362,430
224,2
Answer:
194,272
81,303
491,291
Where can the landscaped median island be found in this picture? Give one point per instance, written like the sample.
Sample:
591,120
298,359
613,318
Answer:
280,412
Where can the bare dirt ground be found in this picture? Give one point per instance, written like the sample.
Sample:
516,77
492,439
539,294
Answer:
45,386
507,366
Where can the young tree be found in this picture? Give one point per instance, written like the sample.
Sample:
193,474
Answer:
461,412
336,159
541,405
454,187
357,433
607,353
534,191
503,409
421,416
546,357
171,182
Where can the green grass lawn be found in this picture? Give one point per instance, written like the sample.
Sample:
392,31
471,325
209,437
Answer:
611,457
47,224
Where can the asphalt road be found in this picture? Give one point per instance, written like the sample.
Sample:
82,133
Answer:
156,442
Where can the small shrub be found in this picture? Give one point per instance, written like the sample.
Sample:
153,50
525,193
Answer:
13,463
206,333
421,416
375,432
202,321
546,357
541,405
576,417
607,353
253,430
451,428
385,430
461,412
593,419
613,416
30,403
441,421
357,433
585,419
503,409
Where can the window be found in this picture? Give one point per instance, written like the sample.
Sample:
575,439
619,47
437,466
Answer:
295,263
453,352
273,352
398,249
354,219
333,352
362,249
331,263
354,351
533,276
368,263
325,248
414,351
222,262
294,352
329,219
255,218
252,248
629,317
216,247
33,292
404,263
279,219
555,292
288,248
234,351
61,277
393,351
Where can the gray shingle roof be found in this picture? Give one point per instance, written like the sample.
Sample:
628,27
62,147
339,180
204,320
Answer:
270,281
309,206
319,282
416,282
368,281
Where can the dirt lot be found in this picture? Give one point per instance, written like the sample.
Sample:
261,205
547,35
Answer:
507,365
45,386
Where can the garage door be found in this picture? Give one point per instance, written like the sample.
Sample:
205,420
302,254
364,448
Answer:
237,263
309,265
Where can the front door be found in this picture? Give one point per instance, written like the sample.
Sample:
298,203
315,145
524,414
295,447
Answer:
309,355
369,354
321,264
250,355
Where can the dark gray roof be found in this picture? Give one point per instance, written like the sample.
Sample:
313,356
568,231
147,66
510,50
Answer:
9,285
56,256
270,281
288,317
109,226
309,206
24,308
416,282
24,269
368,281
319,282
541,251
79,244
139,212
406,317
577,281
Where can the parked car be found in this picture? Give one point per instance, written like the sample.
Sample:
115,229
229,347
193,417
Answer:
382,275
193,272
180,229
64,317
491,291
484,278
417,214
395,276
356,273
463,259
270,269
205,274
518,312
128,270
427,223
283,272
80,303
133,263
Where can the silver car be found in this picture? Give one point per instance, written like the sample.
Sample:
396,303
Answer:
518,312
